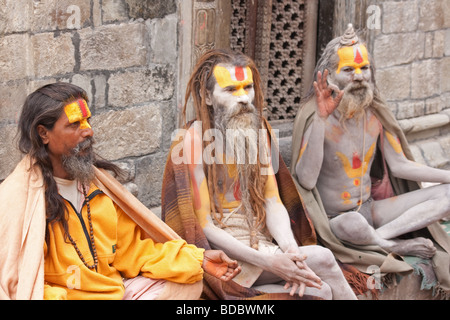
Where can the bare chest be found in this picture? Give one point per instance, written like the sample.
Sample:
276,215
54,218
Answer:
350,146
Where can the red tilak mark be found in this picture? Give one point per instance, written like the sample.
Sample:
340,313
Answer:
358,58
239,73
83,108
356,161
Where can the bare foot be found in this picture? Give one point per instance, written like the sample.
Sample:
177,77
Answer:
419,247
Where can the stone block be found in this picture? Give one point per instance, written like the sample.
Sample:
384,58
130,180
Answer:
433,154
417,154
434,44
410,109
399,48
429,122
434,14
131,87
49,15
14,57
150,9
114,10
126,133
400,16
394,82
99,91
149,176
445,100
447,43
9,154
12,98
163,39
53,54
433,105
445,74
112,47
169,114
84,82
445,144
425,78
14,16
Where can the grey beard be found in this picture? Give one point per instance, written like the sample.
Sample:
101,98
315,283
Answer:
240,128
79,166
357,97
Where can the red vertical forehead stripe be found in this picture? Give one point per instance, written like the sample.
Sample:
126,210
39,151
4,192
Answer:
358,58
83,108
239,73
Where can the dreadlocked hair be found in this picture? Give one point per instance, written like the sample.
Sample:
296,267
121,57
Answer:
201,83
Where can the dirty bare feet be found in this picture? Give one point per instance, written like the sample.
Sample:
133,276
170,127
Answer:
419,247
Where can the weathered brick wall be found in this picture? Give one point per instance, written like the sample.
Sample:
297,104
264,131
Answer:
412,55
122,52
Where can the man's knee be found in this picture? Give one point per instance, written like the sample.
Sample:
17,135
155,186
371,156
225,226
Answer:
324,257
347,224
352,227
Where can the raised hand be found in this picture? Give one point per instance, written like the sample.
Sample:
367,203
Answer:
326,103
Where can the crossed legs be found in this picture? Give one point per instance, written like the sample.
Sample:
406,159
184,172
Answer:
394,217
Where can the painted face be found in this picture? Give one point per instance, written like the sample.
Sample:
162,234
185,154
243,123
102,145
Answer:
353,65
238,80
78,111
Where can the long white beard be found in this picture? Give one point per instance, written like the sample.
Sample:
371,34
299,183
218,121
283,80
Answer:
240,128
357,97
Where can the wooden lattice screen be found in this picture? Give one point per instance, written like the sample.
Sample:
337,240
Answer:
272,33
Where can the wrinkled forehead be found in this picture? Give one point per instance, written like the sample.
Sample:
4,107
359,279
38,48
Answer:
77,111
355,56
229,75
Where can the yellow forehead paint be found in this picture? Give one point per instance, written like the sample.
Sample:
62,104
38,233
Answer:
354,56
235,76
78,111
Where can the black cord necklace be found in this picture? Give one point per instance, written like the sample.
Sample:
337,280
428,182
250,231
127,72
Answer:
91,235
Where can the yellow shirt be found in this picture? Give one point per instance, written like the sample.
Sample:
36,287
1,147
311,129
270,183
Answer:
122,252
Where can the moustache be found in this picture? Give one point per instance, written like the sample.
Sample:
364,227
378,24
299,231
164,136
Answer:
241,109
355,87
86,145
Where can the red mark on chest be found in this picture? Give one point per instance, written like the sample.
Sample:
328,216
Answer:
356,161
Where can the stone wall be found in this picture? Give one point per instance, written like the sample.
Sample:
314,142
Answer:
412,54
122,52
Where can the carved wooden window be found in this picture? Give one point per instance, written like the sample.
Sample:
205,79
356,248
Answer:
272,33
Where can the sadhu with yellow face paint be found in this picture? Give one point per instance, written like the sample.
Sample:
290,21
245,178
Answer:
71,231
343,134
239,202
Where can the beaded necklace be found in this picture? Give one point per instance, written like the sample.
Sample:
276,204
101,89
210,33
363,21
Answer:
91,236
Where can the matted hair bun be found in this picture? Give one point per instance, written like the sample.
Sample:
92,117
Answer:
349,38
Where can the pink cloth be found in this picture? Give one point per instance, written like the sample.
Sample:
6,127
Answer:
142,288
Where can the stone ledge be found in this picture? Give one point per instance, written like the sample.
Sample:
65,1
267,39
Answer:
425,123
